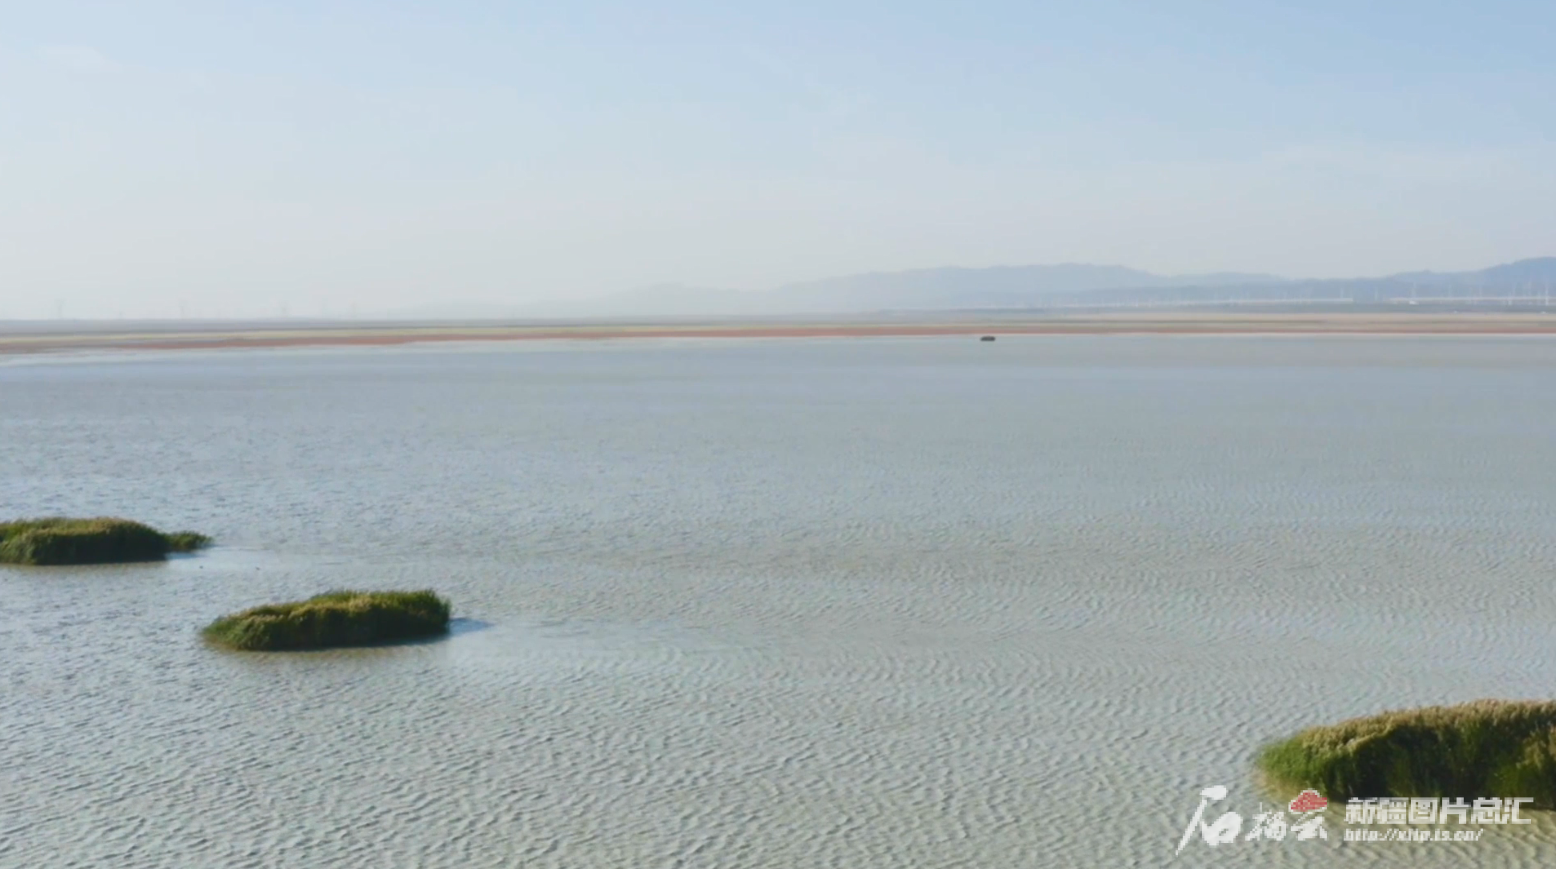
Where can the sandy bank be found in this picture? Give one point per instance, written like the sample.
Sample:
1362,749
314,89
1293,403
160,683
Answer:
39,341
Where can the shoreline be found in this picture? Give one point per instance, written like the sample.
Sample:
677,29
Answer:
38,341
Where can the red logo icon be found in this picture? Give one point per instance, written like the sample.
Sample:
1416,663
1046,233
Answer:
1307,801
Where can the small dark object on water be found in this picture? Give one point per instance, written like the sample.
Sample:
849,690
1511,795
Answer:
987,338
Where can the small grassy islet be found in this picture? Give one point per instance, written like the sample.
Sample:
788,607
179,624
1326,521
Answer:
58,540
1487,748
333,619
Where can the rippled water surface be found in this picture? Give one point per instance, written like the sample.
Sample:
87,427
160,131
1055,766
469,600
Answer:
842,603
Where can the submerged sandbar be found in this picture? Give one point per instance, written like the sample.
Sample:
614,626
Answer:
41,338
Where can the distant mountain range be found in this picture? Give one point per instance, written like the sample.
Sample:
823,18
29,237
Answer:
1034,287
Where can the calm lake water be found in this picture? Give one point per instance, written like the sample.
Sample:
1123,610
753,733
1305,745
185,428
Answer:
835,603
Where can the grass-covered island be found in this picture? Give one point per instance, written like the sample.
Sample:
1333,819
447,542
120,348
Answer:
1488,748
338,618
104,540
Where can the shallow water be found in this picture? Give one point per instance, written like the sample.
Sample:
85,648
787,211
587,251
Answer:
921,602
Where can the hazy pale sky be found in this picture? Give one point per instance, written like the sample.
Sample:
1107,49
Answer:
236,157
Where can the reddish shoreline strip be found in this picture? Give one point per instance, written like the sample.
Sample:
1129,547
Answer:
1360,326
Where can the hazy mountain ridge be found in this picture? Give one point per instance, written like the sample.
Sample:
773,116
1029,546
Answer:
1000,286
1039,286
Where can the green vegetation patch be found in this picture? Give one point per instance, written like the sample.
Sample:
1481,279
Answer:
186,541
1488,748
339,618
58,540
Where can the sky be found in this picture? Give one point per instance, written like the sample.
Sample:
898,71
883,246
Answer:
211,158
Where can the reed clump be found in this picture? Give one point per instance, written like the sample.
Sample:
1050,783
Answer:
104,540
1487,748
334,619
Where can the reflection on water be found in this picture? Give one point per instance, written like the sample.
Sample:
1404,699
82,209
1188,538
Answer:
849,603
